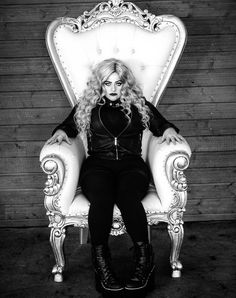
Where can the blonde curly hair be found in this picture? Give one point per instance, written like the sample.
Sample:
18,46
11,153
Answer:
131,93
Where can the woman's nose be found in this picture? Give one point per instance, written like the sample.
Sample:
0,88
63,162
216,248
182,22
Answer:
113,87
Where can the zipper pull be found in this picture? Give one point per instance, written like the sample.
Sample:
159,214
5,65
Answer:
115,141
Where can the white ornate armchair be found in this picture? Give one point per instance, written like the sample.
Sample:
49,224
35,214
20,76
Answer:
151,46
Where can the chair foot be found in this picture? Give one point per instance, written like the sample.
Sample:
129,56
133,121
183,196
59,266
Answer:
176,273
58,277
57,271
176,267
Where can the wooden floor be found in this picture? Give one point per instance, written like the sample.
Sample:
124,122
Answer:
208,255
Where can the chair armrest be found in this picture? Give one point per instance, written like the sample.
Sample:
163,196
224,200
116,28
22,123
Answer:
167,163
62,164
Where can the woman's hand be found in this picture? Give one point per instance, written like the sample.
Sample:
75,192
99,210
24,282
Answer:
170,135
58,137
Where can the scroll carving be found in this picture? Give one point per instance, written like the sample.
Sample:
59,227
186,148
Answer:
179,184
118,227
56,219
175,213
114,11
53,183
179,181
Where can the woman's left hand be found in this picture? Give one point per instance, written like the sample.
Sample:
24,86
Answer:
170,135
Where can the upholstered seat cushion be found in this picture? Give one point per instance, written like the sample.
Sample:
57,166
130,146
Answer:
80,204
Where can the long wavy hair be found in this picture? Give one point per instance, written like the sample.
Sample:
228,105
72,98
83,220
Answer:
131,93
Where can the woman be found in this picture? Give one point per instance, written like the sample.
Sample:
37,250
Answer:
113,113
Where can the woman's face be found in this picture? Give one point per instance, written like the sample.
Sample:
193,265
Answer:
112,87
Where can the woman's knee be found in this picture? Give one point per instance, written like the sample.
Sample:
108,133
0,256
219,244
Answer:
132,186
97,184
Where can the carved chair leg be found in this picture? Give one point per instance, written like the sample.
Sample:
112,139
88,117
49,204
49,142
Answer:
84,233
57,238
149,234
176,233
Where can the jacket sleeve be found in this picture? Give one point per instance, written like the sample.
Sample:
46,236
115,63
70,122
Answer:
68,125
158,124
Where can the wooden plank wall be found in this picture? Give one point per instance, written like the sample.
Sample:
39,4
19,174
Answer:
200,99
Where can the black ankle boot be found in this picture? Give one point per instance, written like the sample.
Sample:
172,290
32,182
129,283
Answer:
143,277
106,281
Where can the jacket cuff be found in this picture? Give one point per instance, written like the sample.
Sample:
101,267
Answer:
71,133
168,125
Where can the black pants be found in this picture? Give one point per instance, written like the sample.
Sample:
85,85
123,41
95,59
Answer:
122,182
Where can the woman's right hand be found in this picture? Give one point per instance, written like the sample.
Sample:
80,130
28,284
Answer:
58,137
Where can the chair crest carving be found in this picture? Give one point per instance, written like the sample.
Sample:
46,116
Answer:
114,11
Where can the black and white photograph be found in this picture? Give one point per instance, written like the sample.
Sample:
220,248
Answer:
118,149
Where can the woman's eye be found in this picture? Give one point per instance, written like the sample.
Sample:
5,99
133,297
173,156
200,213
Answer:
118,84
107,84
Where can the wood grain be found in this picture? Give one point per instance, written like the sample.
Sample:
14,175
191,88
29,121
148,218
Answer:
201,4
26,132
183,9
196,44
200,100
187,95
43,222
218,191
197,176
195,61
181,78
36,30
197,144
191,128
34,99
37,211
213,169
171,112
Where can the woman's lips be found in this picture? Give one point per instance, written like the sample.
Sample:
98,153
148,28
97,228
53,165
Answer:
113,94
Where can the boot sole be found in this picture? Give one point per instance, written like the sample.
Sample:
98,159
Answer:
148,286
107,292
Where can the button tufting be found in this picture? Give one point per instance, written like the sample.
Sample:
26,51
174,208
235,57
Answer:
116,50
142,67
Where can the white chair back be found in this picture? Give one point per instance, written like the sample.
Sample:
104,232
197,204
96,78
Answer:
149,45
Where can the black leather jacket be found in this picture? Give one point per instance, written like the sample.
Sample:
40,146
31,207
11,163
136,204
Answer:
103,144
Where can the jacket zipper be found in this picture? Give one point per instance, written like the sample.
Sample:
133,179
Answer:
116,144
115,138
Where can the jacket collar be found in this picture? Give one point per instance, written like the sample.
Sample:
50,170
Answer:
112,103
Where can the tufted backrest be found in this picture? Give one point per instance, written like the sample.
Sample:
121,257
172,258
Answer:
149,45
